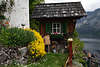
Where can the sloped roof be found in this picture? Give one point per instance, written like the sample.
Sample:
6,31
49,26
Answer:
51,10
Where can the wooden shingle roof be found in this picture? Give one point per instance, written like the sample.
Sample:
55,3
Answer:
51,10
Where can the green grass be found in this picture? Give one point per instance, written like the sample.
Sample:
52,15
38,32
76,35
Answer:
51,60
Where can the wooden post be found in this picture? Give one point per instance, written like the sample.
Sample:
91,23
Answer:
70,40
89,59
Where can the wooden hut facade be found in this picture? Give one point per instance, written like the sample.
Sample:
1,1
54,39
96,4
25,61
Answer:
58,19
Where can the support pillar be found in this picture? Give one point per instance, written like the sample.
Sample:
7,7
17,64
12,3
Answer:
70,40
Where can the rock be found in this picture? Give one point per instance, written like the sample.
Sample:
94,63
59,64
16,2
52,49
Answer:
3,57
23,51
23,59
10,54
77,64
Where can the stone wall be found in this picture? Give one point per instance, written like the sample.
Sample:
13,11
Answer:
10,54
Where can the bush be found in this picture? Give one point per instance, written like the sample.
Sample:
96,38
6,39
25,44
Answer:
57,36
37,47
16,37
78,49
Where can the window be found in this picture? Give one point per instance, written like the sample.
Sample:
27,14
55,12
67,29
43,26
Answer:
56,28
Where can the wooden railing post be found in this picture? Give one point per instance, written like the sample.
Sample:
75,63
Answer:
70,40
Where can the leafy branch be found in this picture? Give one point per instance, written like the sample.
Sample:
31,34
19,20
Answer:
5,6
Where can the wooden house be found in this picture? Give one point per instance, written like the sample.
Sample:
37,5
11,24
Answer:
58,19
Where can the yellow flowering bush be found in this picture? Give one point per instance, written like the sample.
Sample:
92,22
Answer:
37,47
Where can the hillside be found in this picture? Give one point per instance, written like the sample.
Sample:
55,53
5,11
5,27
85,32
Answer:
90,26
49,60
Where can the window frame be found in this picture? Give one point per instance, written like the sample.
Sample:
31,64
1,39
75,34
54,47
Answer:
57,28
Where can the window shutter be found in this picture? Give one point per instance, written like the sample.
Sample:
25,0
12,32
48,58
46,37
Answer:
48,27
64,27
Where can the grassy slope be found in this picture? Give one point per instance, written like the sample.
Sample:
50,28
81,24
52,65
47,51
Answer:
51,60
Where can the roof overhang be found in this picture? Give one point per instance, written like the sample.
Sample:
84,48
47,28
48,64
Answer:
59,10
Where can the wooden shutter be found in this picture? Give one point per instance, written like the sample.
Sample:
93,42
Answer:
48,27
64,27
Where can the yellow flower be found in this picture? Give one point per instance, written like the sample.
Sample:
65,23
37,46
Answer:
37,47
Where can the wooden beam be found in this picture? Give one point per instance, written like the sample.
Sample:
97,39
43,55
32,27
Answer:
41,30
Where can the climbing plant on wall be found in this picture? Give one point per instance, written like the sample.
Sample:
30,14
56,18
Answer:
32,3
5,6
33,23
2,9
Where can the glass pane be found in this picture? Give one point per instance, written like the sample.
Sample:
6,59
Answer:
58,25
58,30
54,30
54,25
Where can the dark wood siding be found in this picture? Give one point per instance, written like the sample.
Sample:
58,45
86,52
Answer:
71,26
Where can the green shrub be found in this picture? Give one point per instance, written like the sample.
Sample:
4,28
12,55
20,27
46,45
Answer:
16,36
57,36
